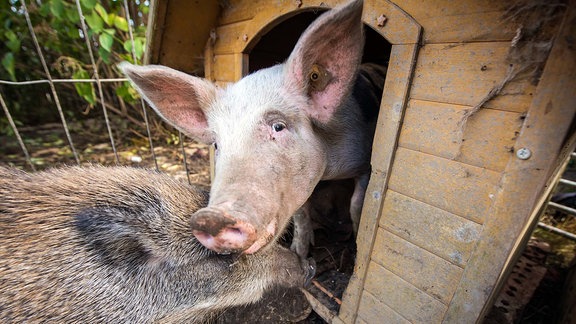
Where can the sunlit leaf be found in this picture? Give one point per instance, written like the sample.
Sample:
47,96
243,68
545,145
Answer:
121,23
84,89
102,12
139,45
95,22
106,40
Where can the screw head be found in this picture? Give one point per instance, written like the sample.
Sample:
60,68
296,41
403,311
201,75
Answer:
523,153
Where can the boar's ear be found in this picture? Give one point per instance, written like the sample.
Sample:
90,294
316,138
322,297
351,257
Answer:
324,63
179,98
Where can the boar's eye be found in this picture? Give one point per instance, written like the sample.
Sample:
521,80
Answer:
278,126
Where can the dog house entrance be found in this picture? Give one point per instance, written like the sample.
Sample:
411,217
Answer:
334,249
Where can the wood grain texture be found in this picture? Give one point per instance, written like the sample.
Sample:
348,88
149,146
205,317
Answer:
486,141
455,187
408,301
448,236
374,311
465,74
544,132
446,21
428,272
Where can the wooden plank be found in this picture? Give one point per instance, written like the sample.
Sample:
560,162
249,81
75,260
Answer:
426,271
179,38
405,299
446,21
466,73
238,10
487,140
224,68
400,27
547,133
394,101
440,232
455,187
374,311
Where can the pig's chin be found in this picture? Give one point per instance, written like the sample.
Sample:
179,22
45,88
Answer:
264,239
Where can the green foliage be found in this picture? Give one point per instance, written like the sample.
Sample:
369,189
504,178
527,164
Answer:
58,28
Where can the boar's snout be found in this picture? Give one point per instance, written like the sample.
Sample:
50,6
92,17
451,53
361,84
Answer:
222,233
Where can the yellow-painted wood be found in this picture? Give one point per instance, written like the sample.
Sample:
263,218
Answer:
466,73
394,100
449,236
178,33
546,127
374,311
455,187
487,140
407,300
447,21
426,271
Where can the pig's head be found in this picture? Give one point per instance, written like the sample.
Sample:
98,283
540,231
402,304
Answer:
268,129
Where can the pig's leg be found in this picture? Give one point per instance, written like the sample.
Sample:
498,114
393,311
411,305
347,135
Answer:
361,183
303,232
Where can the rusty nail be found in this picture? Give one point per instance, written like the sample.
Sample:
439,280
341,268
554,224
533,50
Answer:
381,20
523,153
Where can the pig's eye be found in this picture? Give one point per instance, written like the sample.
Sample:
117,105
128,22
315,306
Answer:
278,126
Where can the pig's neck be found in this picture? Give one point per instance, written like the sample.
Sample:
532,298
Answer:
348,143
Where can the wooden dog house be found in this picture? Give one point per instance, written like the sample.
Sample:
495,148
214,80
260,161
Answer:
478,112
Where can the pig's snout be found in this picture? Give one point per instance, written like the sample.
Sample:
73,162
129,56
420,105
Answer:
222,233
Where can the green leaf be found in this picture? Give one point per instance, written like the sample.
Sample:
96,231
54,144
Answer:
9,65
106,41
139,45
104,55
110,19
128,93
88,4
102,12
95,22
12,42
121,23
84,89
57,8
72,15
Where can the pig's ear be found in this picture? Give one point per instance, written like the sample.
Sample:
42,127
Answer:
324,63
181,99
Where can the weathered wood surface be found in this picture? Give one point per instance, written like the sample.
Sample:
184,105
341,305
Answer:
487,140
444,234
447,21
546,127
394,101
424,270
373,310
178,32
455,187
465,74
407,300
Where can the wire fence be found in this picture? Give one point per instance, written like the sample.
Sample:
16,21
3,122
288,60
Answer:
96,80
